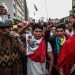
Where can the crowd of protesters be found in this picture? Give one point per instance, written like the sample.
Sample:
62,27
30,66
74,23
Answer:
37,48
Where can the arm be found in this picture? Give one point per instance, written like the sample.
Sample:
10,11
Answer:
22,48
16,38
51,59
61,72
23,29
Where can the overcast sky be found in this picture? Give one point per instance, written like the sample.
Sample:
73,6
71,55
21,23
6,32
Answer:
49,8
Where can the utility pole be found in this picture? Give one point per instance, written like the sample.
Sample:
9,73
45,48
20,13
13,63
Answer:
26,10
46,9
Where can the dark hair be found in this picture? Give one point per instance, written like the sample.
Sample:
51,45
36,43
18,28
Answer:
53,26
37,25
61,26
73,25
67,22
44,24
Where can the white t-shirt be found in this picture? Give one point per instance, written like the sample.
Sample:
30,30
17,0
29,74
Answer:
37,68
49,48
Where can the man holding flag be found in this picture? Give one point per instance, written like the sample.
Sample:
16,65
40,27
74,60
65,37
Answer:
36,51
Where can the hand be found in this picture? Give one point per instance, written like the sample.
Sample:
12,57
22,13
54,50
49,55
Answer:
14,34
29,42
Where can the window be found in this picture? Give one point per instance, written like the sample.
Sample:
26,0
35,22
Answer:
14,15
14,6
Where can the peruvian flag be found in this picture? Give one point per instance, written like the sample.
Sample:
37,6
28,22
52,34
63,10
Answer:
40,53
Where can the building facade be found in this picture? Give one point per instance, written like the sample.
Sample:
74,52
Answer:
73,8
73,4
16,8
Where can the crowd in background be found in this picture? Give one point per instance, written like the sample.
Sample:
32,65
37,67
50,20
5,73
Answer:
15,43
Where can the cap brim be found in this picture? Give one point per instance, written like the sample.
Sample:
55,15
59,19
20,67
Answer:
6,24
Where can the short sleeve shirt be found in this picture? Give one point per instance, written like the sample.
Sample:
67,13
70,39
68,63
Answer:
49,48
